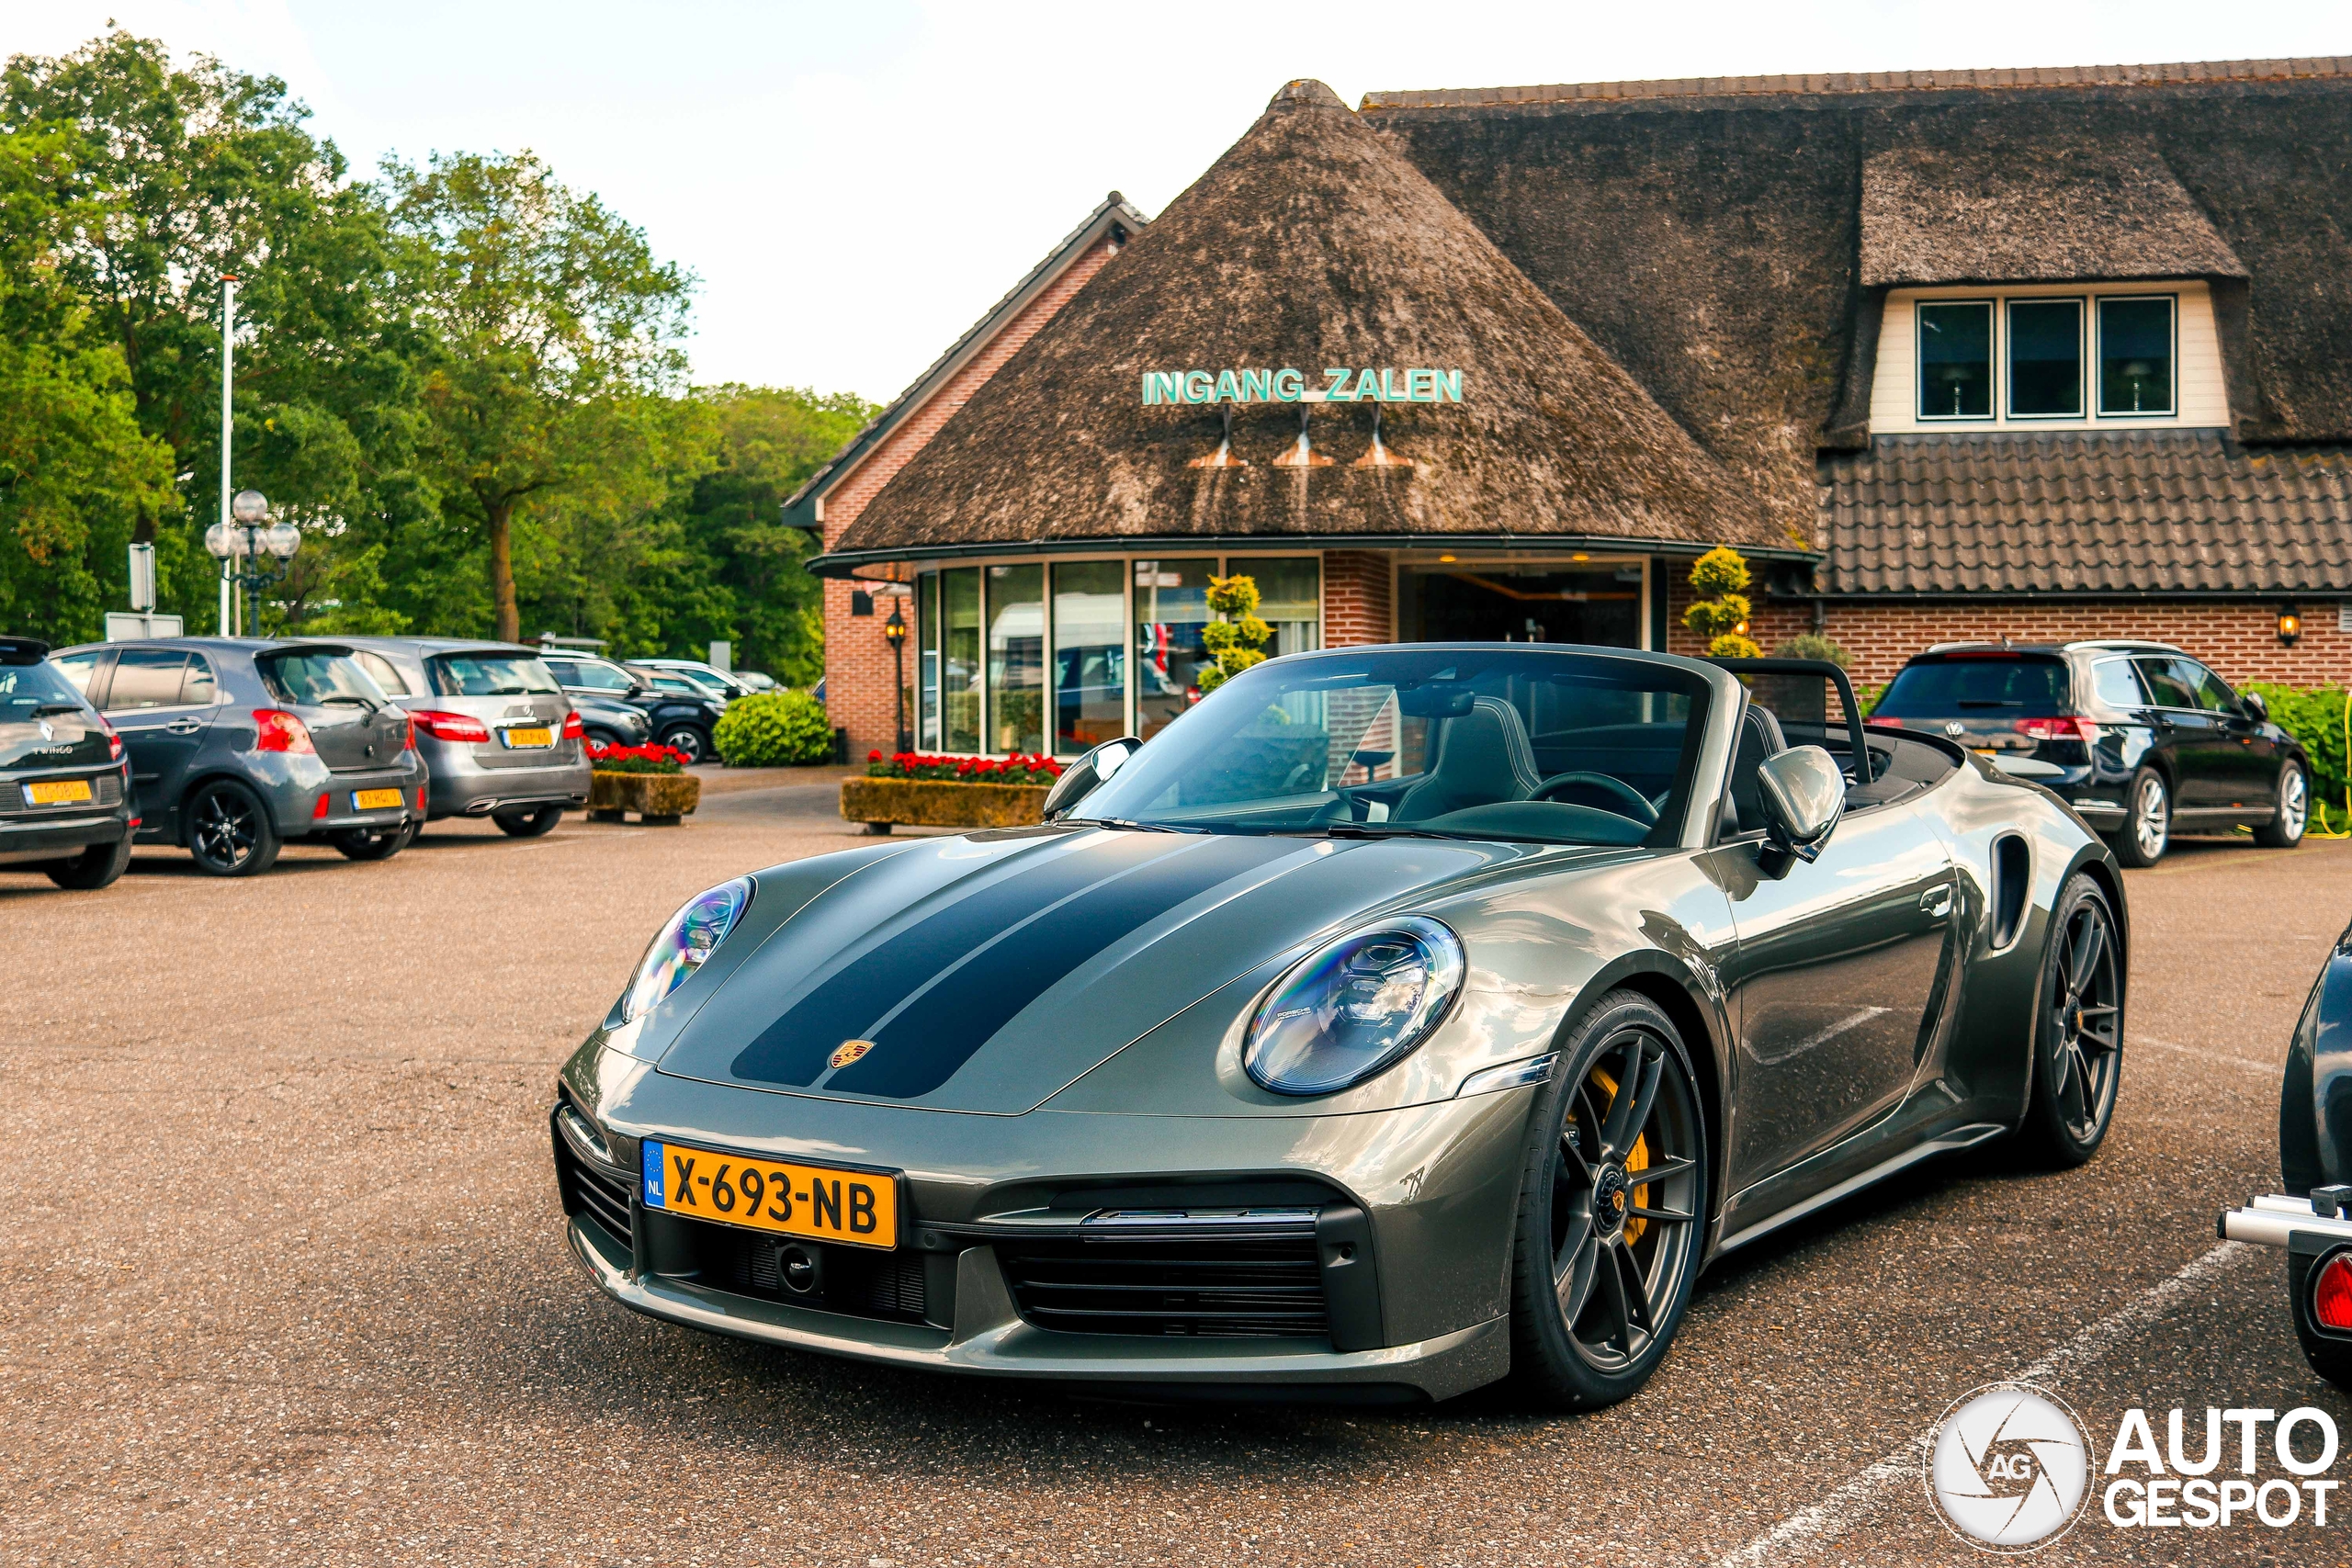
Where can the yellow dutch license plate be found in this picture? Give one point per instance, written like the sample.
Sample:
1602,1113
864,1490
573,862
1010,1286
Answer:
858,1207
376,800
529,740
57,792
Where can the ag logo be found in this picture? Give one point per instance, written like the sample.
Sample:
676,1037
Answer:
848,1051
2008,1469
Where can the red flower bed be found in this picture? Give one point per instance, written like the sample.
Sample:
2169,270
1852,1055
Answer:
650,757
1014,770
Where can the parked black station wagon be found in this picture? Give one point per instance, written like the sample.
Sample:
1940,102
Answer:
64,787
2140,739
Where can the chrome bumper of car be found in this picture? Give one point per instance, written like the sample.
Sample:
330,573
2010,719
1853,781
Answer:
990,1338
2276,1219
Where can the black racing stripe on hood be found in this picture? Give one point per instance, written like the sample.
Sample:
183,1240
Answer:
944,1028
844,1005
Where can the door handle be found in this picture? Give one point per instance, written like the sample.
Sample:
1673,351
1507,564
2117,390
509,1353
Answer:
183,727
1937,902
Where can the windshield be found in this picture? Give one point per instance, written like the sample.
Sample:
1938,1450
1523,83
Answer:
490,675
1449,743
25,688
2005,683
315,680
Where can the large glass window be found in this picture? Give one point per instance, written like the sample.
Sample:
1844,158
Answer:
478,675
146,678
927,660
1090,655
1172,606
2046,359
959,676
1016,657
2135,356
1956,359
1290,591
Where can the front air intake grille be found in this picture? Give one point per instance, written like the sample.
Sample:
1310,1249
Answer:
1210,1287
854,1280
592,1188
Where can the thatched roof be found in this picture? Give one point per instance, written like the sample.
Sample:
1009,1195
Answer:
2002,212
1711,236
1312,242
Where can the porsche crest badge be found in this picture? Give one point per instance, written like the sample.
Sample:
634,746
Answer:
848,1051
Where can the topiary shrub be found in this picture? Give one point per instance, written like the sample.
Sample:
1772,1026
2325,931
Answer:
1813,645
1237,637
1720,579
774,729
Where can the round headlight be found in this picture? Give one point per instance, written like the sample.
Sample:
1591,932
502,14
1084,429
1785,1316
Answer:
1354,1007
691,935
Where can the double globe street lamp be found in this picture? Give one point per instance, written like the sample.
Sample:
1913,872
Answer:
254,553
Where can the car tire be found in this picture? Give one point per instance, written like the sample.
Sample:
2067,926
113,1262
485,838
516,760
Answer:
374,843
689,739
2285,829
2077,1067
2147,820
2328,1355
1603,1267
98,866
228,830
528,824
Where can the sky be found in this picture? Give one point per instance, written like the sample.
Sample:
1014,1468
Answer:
855,183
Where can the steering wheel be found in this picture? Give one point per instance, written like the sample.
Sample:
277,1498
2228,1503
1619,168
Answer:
1630,802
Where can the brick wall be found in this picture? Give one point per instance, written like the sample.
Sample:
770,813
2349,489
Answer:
857,656
1358,606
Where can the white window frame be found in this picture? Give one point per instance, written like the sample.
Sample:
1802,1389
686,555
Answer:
1995,314
2172,360
2086,373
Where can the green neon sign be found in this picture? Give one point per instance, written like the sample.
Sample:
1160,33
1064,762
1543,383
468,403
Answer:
1342,384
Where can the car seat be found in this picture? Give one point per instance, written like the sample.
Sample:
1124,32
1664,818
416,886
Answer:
1483,757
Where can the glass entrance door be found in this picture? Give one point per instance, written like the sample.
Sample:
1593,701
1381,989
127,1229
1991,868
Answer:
1599,604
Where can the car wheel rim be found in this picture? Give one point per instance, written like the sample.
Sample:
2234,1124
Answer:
1624,1200
2086,1022
224,829
2294,803
2150,823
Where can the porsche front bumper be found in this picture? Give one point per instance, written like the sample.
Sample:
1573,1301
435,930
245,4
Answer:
1409,1231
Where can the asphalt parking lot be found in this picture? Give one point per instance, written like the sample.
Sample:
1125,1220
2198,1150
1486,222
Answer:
285,1280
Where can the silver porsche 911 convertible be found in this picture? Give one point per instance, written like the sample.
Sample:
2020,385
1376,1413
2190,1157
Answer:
1398,1021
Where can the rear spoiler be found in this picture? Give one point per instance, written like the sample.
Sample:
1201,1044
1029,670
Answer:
1833,673
22,650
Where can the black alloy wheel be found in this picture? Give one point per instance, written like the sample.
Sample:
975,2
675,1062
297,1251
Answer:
96,866
2078,1034
687,738
2285,829
375,843
1613,1205
2147,820
228,830
528,824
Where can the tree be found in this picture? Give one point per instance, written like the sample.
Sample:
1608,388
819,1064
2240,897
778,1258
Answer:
557,346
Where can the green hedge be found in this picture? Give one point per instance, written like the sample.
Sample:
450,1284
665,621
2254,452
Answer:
2316,718
774,729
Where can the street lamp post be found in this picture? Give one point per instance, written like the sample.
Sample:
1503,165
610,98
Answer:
265,550
895,628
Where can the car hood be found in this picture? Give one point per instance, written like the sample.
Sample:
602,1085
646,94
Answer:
984,973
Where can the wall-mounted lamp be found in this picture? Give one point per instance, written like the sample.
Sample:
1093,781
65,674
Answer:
2291,627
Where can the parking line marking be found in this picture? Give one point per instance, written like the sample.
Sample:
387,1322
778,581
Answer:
1803,1535
2268,1069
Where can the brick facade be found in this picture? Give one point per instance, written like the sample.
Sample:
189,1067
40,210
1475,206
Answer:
857,656
1358,599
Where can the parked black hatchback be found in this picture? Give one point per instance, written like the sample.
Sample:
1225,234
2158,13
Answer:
2142,740
64,787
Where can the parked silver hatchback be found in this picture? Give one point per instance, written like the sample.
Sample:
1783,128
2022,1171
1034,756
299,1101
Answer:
499,737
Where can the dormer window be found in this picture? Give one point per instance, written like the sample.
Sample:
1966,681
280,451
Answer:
2087,357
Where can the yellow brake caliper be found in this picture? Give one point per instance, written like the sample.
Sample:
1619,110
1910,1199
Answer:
1637,1158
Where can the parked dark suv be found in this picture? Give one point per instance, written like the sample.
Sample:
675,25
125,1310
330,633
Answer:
2142,740
238,744
65,787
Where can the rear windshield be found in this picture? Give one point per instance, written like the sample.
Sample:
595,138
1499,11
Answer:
489,675
1955,687
313,680
25,687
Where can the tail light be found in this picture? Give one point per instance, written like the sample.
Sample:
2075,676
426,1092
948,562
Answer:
1882,723
409,744
443,725
277,730
2065,729
318,812
571,730
2331,1294
420,797
114,743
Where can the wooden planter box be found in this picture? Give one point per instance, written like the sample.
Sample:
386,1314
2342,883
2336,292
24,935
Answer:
881,804
660,799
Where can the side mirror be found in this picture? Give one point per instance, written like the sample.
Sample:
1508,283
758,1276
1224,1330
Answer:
1077,780
2255,708
1803,794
